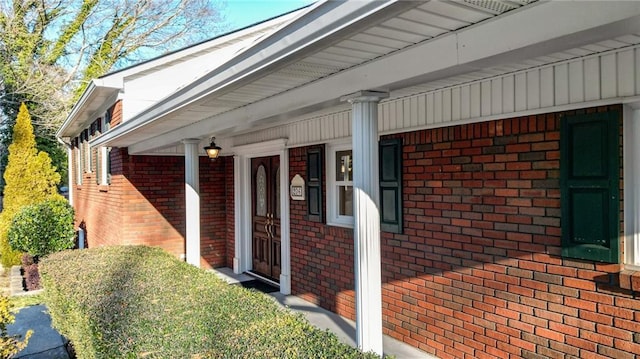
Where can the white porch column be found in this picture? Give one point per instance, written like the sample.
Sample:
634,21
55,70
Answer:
632,186
366,229
192,194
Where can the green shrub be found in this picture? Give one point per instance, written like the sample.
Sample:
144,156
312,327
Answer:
43,228
130,302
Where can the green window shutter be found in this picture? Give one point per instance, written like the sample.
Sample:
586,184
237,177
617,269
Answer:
391,185
589,181
314,184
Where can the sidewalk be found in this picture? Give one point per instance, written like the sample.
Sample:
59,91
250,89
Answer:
321,318
45,342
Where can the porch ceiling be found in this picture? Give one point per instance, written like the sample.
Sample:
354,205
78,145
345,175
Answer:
361,47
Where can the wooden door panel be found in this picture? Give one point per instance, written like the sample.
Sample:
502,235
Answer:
266,227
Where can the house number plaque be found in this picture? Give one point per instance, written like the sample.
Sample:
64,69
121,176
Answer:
296,190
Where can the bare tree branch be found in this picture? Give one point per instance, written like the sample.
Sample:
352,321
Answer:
51,49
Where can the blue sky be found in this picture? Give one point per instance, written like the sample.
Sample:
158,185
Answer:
241,13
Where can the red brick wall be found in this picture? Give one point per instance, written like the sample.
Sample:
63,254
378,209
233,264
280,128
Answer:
213,209
98,208
153,202
145,204
116,114
321,255
477,272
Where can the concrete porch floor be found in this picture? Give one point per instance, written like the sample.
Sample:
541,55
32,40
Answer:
324,319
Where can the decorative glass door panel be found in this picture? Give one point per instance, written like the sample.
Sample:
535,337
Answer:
265,189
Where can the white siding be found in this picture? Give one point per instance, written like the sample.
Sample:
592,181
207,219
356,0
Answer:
606,77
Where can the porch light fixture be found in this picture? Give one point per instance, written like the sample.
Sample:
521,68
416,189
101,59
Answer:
213,150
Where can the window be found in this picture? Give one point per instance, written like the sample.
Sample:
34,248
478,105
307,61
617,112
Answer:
589,185
86,151
77,154
104,172
103,166
103,154
106,121
340,185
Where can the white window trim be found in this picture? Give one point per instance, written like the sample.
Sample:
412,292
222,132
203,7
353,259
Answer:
78,158
631,154
333,218
87,153
104,165
242,193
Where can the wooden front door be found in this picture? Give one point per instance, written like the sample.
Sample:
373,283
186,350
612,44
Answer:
265,203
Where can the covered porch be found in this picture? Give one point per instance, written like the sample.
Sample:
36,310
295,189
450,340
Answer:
354,71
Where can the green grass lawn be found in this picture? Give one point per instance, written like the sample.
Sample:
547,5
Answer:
22,301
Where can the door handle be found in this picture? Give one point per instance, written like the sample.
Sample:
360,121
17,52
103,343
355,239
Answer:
271,226
268,223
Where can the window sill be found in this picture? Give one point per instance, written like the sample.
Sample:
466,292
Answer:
103,188
630,279
339,224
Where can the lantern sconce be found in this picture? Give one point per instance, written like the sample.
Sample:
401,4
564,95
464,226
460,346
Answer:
213,150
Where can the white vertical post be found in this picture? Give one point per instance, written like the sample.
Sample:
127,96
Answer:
238,175
192,196
285,244
631,166
70,167
366,230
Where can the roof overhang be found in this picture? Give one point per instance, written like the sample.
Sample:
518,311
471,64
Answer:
92,99
321,25
513,37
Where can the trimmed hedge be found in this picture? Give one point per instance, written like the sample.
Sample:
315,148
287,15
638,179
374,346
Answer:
135,301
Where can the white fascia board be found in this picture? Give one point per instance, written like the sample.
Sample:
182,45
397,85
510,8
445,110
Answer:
96,88
116,80
436,59
289,43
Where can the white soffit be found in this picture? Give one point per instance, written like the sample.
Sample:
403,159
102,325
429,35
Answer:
421,22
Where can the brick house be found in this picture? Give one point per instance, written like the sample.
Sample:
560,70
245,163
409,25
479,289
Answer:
462,176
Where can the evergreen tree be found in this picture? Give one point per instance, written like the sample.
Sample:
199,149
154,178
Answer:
29,179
